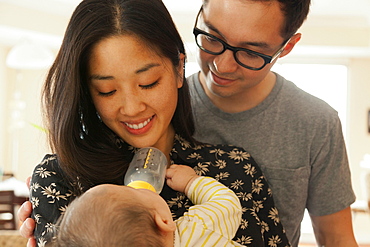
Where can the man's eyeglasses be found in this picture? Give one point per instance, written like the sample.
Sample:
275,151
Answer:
247,58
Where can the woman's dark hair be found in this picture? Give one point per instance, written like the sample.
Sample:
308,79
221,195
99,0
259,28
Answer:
86,148
295,12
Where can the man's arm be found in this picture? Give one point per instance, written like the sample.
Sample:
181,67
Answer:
334,230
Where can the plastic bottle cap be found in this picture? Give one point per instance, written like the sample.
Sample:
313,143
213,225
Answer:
141,185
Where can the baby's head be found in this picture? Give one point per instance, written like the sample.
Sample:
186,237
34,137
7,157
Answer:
114,215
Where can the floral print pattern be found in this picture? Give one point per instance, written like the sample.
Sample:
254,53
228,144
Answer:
232,166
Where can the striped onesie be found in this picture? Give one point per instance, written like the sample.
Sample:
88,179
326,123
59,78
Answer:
214,218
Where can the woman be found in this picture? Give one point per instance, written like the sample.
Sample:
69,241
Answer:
118,84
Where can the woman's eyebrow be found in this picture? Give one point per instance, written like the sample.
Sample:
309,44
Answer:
100,77
109,77
147,67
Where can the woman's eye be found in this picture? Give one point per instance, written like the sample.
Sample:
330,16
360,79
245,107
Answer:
107,93
149,86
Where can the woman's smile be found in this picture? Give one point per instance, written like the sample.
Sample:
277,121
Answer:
135,98
139,127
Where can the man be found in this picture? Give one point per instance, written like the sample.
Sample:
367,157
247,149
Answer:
294,137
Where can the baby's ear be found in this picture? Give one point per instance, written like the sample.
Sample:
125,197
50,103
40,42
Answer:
164,225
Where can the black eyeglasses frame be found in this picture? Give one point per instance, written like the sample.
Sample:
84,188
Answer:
267,59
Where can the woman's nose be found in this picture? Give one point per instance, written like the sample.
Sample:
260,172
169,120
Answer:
131,104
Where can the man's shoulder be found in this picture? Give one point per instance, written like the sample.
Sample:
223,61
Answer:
302,102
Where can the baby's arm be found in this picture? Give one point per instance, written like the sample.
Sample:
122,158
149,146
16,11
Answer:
218,206
180,177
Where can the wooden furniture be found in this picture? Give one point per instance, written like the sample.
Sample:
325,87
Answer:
8,202
7,217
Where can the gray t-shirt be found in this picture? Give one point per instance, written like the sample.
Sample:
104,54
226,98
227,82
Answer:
297,141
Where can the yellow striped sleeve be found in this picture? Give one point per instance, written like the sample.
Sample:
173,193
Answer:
217,206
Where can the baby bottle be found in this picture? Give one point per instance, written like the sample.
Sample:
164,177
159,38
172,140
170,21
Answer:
147,170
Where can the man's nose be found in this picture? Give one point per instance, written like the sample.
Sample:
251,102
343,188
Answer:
225,62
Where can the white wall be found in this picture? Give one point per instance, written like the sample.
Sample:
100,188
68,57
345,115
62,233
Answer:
343,42
3,111
359,105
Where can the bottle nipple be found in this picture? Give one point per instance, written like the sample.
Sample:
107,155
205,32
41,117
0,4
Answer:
137,184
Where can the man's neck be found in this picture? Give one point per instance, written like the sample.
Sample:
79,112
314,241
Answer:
244,101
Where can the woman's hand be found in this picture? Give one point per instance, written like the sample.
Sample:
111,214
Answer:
28,224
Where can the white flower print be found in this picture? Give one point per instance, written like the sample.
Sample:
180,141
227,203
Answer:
177,201
35,202
257,205
238,155
244,209
257,186
43,172
41,242
217,151
63,209
250,170
184,143
221,164
269,191
237,185
244,240
244,196
34,186
37,218
274,241
274,215
222,176
50,227
194,156
264,226
78,185
253,213
52,193
202,168
244,224
46,160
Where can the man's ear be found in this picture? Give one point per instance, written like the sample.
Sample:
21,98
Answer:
164,225
289,47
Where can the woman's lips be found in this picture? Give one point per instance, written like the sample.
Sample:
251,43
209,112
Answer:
139,127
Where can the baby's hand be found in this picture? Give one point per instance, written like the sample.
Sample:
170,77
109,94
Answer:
179,177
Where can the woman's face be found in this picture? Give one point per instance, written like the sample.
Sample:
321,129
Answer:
134,90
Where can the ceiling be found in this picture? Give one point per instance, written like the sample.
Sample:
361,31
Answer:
328,13
356,9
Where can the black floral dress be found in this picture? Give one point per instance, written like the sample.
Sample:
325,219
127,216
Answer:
232,166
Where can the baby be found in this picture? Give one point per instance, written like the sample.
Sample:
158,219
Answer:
115,215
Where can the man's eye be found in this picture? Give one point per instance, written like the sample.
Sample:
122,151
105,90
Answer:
149,86
107,93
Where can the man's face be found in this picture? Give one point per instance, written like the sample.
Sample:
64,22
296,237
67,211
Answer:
253,25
